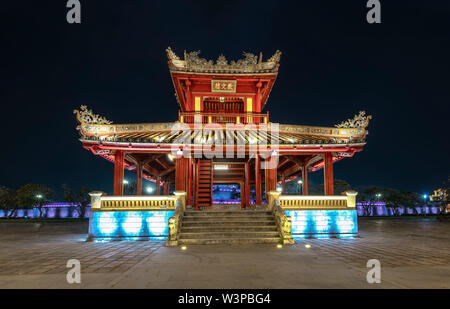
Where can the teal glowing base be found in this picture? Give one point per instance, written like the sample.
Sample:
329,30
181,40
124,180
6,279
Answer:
328,223
126,224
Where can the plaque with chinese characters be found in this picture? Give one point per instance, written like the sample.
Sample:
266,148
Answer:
222,85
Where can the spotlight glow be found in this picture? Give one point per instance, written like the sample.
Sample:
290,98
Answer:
220,167
307,246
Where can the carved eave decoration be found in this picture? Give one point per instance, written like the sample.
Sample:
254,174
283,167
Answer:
86,116
360,121
249,64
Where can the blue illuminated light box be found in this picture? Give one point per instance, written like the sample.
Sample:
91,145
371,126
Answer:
146,223
317,223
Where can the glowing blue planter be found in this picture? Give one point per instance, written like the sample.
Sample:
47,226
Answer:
317,223
130,223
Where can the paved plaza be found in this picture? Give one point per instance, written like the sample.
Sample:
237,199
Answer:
414,253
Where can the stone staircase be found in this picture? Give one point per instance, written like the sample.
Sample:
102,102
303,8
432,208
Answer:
228,227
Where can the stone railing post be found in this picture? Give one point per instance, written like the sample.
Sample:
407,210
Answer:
273,197
181,198
351,198
175,221
96,199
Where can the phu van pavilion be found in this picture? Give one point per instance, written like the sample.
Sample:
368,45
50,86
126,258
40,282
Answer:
221,136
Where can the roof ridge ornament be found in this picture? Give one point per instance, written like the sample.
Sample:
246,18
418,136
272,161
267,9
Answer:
358,121
249,64
86,116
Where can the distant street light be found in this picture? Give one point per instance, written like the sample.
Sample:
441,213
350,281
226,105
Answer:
300,182
39,195
125,182
425,196
149,189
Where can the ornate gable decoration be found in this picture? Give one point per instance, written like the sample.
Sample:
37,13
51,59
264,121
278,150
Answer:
249,64
358,121
85,116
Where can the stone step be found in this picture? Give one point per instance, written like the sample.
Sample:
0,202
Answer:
227,228
222,223
221,235
229,218
227,212
230,241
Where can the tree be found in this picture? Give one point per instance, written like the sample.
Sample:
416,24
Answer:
369,196
80,199
8,200
395,200
339,187
130,188
34,195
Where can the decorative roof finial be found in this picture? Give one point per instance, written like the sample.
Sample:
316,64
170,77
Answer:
358,121
87,116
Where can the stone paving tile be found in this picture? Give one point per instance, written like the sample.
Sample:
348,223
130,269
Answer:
27,256
46,252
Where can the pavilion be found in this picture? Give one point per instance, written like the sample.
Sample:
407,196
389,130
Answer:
222,136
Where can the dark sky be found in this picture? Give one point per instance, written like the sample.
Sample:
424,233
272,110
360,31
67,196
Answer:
334,64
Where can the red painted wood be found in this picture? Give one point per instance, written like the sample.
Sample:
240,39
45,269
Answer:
258,180
305,189
189,182
179,174
194,183
247,184
118,172
328,174
158,185
139,178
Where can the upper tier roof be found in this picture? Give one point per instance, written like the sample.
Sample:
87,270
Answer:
248,65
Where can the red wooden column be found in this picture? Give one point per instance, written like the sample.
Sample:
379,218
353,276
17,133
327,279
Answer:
243,193
118,172
283,184
258,180
139,178
189,182
247,184
328,174
166,187
179,174
305,180
271,182
194,182
157,185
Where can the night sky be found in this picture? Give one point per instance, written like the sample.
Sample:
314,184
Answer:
334,64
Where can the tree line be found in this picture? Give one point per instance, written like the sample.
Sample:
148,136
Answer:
37,195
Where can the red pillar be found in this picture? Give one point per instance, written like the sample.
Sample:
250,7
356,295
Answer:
305,180
179,174
139,178
271,182
166,187
247,184
157,185
243,197
118,172
328,174
283,184
194,183
258,180
189,182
